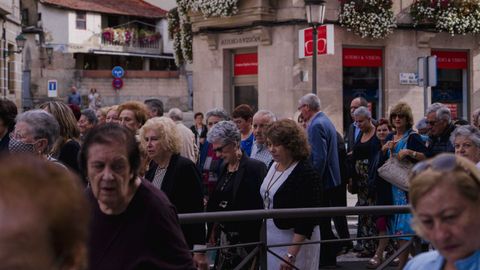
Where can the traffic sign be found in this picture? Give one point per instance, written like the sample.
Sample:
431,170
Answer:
118,72
117,83
52,88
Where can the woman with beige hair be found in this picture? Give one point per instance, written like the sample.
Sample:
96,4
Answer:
67,146
445,194
112,114
404,144
175,175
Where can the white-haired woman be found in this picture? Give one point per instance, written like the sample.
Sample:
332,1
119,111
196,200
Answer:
175,175
466,140
237,189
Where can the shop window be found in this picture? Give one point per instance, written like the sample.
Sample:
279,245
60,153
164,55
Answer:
362,77
81,20
245,79
451,86
162,64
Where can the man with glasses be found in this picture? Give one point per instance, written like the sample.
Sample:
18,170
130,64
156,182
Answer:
438,119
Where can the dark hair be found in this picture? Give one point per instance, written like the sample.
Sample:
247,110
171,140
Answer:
111,133
383,121
8,112
90,115
243,111
56,195
197,114
155,104
290,135
76,110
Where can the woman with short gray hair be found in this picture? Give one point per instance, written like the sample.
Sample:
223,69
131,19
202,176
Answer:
35,132
466,140
237,188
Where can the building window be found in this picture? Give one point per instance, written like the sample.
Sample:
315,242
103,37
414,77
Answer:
362,77
11,70
24,17
451,89
81,21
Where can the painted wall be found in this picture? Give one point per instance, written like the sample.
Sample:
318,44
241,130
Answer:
89,35
55,24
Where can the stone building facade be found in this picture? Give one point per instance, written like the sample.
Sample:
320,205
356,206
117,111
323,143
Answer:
266,34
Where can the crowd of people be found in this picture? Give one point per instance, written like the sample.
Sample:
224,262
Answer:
113,179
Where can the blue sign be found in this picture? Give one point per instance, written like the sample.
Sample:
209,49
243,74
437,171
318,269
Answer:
52,88
118,72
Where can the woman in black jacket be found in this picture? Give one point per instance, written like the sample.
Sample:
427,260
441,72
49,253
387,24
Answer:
291,182
175,175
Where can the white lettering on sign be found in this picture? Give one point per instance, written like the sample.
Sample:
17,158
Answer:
240,40
408,78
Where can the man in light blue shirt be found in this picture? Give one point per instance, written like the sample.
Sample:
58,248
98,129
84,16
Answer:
261,120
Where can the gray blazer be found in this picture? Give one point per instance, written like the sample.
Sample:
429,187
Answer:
322,137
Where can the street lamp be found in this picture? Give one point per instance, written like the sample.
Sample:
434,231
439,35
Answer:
315,10
20,40
49,51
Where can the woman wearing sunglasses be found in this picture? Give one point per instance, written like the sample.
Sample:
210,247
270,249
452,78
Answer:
404,144
237,189
445,194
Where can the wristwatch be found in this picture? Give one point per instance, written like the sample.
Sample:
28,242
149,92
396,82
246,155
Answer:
291,257
414,154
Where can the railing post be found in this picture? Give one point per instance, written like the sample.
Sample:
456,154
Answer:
263,249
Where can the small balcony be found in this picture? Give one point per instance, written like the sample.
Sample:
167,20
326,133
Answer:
131,40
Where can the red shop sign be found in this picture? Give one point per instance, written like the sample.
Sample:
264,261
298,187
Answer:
325,41
451,60
245,64
362,57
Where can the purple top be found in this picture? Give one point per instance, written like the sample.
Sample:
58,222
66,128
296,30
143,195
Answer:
146,235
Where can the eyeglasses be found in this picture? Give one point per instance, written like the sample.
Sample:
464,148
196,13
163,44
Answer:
220,149
430,123
301,106
443,163
211,123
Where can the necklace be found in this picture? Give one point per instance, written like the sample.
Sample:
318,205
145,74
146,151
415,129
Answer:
271,183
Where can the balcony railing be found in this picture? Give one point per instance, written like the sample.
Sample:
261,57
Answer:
131,38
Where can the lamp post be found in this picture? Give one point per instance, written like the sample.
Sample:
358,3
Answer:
315,10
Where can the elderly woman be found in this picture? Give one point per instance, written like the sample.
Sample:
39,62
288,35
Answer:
291,182
88,119
132,115
8,112
466,140
102,115
35,132
445,194
134,226
44,216
364,152
67,146
175,175
237,189
112,114
404,143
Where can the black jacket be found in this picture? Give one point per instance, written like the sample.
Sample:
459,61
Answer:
246,196
302,189
182,185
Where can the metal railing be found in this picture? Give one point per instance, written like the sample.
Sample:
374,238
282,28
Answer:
262,247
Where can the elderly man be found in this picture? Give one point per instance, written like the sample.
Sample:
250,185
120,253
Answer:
189,148
154,106
440,127
353,130
261,120
322,137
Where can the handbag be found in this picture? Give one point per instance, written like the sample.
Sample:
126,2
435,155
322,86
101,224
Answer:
396,172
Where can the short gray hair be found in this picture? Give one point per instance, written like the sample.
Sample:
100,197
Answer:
312,101
421,124
224,132
362,111
90,115
175,114
468,131
42,124
266,113
218,112
441,111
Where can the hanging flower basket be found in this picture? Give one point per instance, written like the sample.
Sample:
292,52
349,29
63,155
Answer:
457,17
367,18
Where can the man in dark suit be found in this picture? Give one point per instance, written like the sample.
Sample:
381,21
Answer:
322,137
353,131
